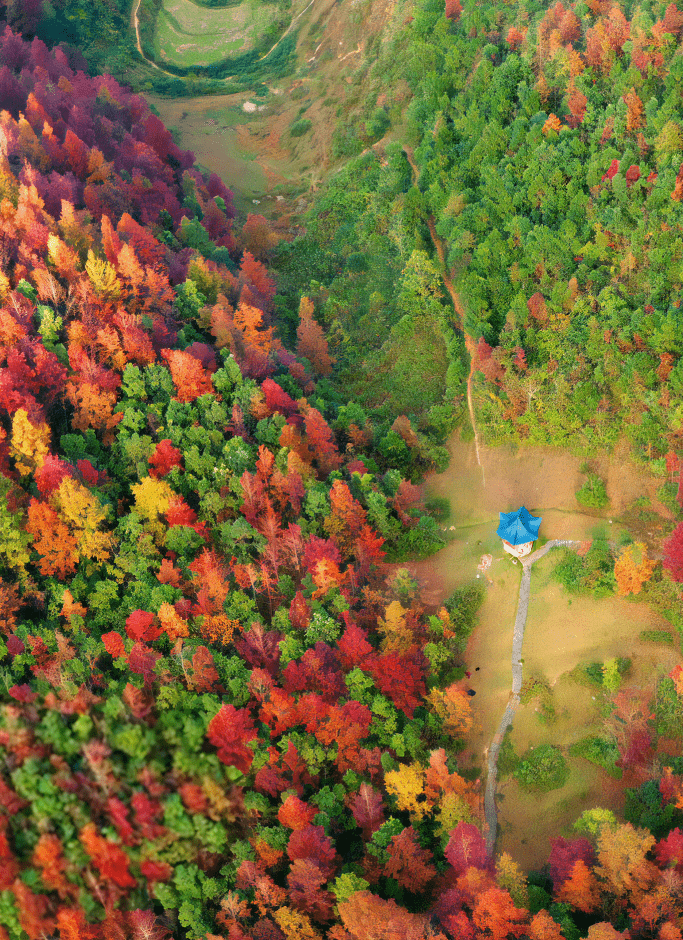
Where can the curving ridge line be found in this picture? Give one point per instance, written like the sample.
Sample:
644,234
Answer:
135,23
490,812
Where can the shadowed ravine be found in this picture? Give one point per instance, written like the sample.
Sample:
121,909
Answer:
490,814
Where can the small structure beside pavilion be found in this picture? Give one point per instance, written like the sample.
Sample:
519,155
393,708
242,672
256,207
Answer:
519,531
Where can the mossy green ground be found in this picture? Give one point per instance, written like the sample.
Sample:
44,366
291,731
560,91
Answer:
210,128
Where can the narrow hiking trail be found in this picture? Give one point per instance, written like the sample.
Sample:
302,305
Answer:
135,22
470,345
490,812
288,30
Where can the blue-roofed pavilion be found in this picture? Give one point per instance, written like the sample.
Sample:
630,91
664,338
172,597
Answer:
518,530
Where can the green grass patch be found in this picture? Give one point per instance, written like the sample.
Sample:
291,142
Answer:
535,688
186,37
657,636
600,751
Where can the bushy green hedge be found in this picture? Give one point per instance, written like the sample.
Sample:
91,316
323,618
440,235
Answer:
593,494
542,768
301,127
601,751
592,573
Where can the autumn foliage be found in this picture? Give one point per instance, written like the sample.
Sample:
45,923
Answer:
224,714
633,569
164,590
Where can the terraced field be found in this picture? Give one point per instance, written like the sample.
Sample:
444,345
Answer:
189,35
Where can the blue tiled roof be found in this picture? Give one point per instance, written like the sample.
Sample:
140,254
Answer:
518,527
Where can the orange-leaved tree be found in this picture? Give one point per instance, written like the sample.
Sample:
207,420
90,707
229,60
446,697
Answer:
52,540
311,341
633,569
452,705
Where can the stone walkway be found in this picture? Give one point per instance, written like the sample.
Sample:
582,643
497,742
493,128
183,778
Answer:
490,813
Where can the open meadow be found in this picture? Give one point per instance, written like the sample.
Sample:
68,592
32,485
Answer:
188,35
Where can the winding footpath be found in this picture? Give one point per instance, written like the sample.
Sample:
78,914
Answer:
288,30
490,813
135,23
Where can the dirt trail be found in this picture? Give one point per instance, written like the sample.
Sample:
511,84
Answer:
457,305
490,813
135,22
288,30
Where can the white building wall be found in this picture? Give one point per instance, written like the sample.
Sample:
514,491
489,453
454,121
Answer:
517,551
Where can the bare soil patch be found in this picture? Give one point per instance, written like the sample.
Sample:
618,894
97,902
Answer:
539,478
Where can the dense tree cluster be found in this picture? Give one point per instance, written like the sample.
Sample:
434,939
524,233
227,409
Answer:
212,681
551,166
548,148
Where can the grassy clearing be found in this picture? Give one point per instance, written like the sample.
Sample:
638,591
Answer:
188,35
576,647
211,129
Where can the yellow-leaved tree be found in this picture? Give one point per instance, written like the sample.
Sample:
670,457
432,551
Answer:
452,810
294,925
152,499
14,540
30,443
623,865
511,877
84,516
397,635
406,784
102,276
